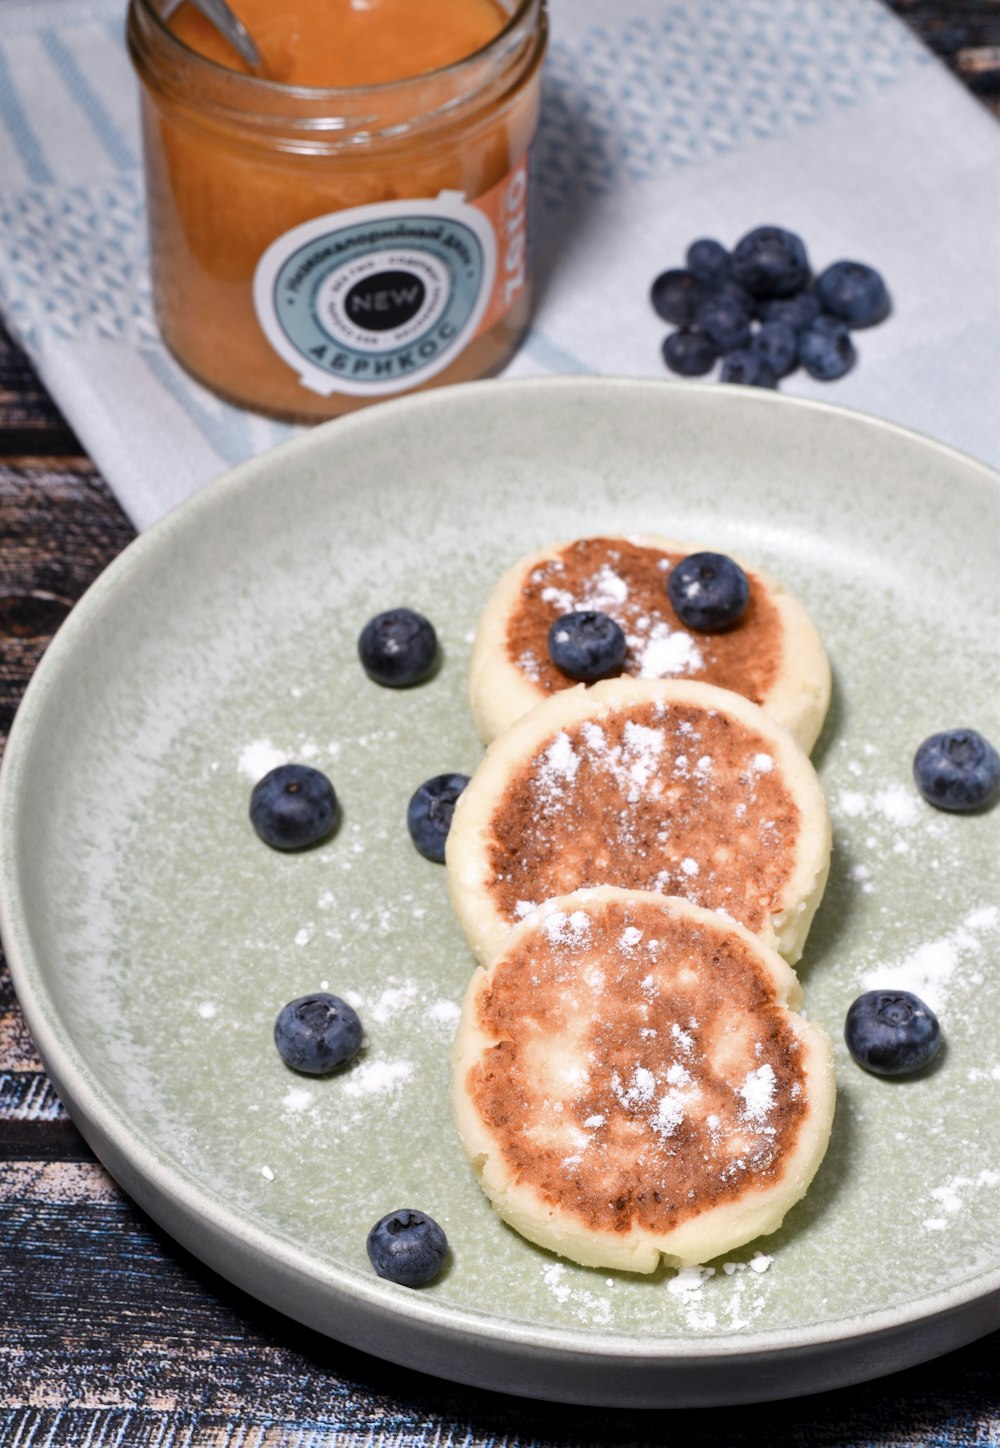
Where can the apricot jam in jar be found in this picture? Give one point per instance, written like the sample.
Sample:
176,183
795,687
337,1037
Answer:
352,223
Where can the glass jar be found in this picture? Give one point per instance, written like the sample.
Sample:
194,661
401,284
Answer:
315,250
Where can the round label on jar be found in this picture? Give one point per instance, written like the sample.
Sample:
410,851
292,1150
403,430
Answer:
377,299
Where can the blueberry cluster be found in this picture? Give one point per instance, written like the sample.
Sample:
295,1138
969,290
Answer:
761,309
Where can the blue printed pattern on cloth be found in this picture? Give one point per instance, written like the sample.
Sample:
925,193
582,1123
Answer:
690,81
76,257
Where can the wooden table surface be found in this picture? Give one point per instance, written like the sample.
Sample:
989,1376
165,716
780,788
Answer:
109,1332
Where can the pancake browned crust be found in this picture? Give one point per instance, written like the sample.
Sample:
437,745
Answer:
774,656
631,1082
671,786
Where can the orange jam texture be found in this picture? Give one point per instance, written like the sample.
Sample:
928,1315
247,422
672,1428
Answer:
347,42
219,193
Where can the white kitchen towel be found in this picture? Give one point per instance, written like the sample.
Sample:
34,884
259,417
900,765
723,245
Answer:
663,120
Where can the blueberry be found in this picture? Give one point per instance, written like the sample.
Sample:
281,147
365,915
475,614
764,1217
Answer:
407,1247
826,350
707,259
797,311
675,296
770,262
689,353
293,806
709,591
398,648
778,344
731,291
957,770
428,815
724,322
891,1032
587,646
854,292
317,1034
747,368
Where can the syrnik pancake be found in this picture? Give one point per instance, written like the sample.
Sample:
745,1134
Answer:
670,786
774,656
631,1082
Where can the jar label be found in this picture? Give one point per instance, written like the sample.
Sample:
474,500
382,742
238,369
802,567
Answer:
377,299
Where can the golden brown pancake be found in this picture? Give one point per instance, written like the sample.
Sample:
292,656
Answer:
631,1082
772,656
670,786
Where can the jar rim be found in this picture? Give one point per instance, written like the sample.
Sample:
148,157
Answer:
251,84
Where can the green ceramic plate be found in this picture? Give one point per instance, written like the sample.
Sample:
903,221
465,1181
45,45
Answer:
153,938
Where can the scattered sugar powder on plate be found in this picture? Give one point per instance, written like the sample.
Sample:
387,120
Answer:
297,1099
401,994
377,1078
590,1308
687,1287
445,1012
731,1310
934,966
259,757
976,1075
951,1197
396,996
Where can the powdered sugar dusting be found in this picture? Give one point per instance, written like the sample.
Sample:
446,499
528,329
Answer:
377,1078
562,929
259,757
710,1302
587,1306
666,653
661,796
297,1099
951,1197
561,762
757,1092
638,1092
657,648
931,969
705,1299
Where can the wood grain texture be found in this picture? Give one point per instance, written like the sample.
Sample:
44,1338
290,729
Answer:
966,36
110,1334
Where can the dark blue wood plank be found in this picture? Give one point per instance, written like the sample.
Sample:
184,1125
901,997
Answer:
109,1333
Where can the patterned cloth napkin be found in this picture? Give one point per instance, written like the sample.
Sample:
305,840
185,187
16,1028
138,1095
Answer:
663,120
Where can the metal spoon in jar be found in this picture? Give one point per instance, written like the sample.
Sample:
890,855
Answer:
218,13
